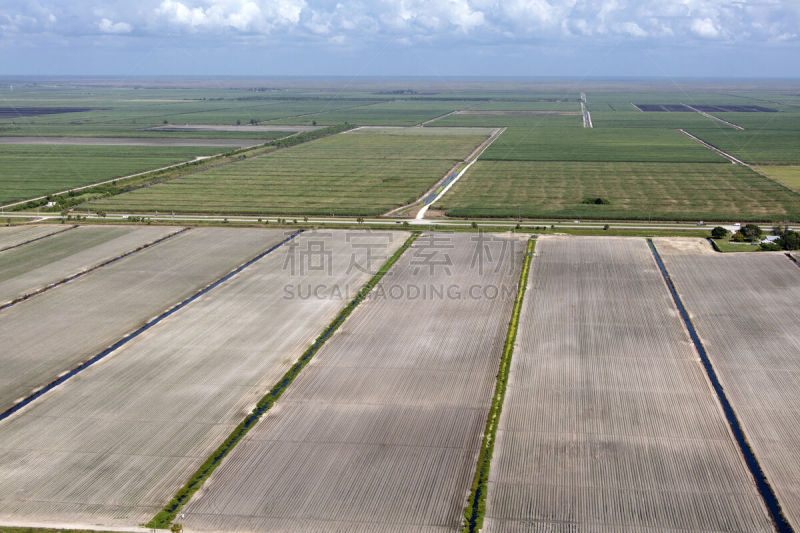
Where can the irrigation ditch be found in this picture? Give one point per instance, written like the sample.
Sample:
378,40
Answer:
164,518
476,505
762,484
90,269
130,336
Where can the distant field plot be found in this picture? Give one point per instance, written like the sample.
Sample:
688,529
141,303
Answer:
665,191
11,236
789,175
112,445
605,118
759,146
38,264
609,423
394,113
562,138
381,431
359,173
744,307
55,331
36,170
540,105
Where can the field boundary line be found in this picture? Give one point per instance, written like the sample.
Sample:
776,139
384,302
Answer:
736,161
476,504
446,183
768,496
38,238
165,517
130,336
709,115
90,269
451,174
713,148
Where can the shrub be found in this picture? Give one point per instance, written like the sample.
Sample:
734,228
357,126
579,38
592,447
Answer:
719,232
738,237
770,247
596,201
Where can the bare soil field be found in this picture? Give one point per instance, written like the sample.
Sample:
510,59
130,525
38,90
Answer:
111,446
382,430
28,268
53,332
11,236
130,141
745,310
609,421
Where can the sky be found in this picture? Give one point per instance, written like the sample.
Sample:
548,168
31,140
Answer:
429,38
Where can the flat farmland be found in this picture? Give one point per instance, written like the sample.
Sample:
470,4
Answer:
36,170
758,146
38,264
744,307
666,191
359,173
11,236
609,421
391,113
381,430
113,445
562,138
56,330
789,175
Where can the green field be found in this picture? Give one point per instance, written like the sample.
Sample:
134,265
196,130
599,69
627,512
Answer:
358,173
393,113
662,191
563,138
27,171
789,175
756,146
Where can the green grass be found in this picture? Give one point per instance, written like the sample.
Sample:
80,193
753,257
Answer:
345,174
724,245
164,517
34,170
788,175
658,191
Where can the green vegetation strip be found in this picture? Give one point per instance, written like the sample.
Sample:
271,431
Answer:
165,517
476,506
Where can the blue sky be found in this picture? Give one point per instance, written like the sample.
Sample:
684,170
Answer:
578,38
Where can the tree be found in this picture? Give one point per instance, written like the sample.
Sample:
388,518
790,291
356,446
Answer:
751,232
719,232
790,240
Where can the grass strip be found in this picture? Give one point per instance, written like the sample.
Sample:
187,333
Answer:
476,505
165,517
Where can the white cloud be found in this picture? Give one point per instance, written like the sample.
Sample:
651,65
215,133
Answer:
705,28
106,26
632,29
240,15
